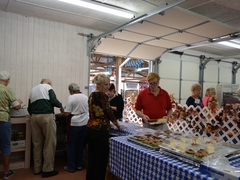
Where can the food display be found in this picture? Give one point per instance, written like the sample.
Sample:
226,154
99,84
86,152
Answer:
151,139
189,148
154,138
147,140
193,149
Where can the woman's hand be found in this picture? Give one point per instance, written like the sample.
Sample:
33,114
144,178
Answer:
114,108
19,101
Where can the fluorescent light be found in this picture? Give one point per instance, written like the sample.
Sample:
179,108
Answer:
93,71
140,69
231,44
101,7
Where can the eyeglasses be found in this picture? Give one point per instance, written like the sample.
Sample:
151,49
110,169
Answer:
152,83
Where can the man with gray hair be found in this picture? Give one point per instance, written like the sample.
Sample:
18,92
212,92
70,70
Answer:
76,112
42,101
7,100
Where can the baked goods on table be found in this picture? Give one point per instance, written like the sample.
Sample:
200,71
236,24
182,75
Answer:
195,140
210,149
147,139
201,153
182,148
188,145
190,151
157,121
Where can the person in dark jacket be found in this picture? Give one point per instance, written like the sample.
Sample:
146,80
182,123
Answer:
42,101
116,102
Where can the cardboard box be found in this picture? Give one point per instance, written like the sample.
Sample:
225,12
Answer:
221,175
17,144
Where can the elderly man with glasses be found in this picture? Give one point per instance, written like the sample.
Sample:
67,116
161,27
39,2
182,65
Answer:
153,103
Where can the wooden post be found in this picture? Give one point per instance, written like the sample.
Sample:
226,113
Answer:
119,61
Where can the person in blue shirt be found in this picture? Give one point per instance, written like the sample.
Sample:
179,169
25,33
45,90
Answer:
195,99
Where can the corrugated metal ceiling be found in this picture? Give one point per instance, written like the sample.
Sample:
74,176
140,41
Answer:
156,34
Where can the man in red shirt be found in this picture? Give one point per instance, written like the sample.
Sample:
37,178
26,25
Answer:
153,103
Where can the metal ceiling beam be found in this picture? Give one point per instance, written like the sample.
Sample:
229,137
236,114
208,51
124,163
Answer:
203,62
235,67
92,41
205,43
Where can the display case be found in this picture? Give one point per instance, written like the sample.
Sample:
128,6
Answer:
61,124
130,88
225,91
21,149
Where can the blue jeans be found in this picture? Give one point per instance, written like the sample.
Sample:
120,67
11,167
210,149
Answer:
75,146
5,138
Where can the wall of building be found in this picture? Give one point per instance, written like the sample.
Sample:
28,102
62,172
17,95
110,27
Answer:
32,49
178,73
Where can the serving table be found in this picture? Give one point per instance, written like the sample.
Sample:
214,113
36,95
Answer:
129,130
130,161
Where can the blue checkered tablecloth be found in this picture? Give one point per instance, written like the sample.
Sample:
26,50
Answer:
130,161
131,128
235,162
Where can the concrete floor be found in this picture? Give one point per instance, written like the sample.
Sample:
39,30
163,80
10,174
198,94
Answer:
60,162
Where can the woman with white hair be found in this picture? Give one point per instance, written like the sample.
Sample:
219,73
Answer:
76,112
195,98
7,100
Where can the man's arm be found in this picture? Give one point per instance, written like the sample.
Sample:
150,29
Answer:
64,114
53,99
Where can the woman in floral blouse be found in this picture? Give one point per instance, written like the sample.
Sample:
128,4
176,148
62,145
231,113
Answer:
100,114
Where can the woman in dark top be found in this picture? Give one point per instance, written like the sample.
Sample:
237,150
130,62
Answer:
100,115
195,98
116,102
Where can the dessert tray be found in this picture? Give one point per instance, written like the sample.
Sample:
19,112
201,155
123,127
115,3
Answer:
157,121
151,139
193,150
187,148
149,142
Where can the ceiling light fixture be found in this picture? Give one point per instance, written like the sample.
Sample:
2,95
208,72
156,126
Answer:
230,44
140,69
101,7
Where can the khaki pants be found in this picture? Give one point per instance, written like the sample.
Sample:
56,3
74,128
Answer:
43,128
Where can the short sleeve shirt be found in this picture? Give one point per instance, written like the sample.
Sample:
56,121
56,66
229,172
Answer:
77,105
153,106
7,99
195,102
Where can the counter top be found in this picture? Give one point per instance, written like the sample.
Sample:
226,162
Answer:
20,120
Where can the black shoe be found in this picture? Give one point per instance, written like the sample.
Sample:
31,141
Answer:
79,168
38,173
49,174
